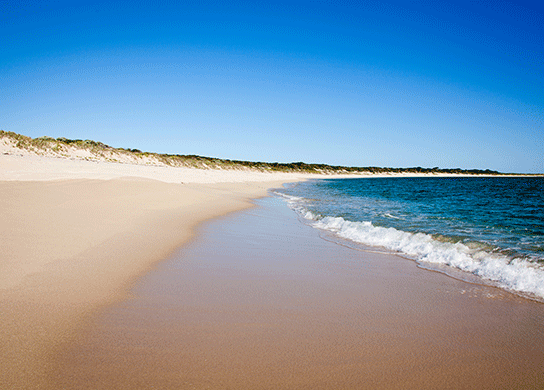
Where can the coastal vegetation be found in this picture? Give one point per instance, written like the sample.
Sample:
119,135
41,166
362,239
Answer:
98,151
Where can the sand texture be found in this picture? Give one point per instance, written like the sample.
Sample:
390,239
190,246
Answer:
260,301
71,246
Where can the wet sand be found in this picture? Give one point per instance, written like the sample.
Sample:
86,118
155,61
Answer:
260,301
71,247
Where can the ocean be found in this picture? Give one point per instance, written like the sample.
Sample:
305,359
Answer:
488,230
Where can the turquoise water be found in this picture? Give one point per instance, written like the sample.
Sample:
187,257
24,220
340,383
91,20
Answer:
490,227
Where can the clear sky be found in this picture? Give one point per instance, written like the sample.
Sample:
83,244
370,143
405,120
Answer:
356,83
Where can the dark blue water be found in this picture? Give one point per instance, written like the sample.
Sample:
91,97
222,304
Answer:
491,227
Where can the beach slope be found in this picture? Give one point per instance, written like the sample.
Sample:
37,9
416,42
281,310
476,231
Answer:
76,234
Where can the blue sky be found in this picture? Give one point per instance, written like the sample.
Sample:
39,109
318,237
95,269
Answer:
398,84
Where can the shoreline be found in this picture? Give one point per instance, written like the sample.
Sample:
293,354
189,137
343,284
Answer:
66,264
259,300
75,241
78,234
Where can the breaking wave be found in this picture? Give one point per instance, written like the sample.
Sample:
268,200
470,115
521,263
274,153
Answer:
516,274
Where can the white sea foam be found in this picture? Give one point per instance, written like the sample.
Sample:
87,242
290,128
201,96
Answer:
291,200
513,274
296,203
390,216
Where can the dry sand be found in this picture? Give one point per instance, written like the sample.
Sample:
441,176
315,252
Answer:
75,234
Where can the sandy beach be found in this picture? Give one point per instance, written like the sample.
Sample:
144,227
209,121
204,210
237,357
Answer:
76,234
260,301
83,241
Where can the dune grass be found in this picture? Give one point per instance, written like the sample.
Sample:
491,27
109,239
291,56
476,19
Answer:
98,151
